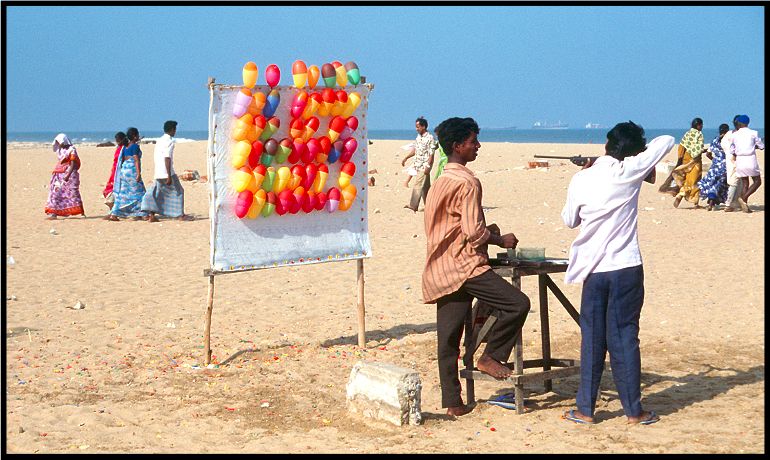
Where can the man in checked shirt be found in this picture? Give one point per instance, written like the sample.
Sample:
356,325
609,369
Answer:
457,265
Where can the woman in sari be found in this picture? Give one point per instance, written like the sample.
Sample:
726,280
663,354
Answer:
689,173
64,189
713,186
128,189
121,141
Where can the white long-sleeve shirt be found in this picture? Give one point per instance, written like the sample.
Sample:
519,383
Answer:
603,200
744,143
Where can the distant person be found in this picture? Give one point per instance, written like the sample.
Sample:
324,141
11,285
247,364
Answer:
457,265
734,186
689,173
166,196
745,141
442,161
121,141
424,148
64,189
128,189
713,186
603,199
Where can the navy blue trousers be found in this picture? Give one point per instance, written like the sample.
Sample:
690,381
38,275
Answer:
609,321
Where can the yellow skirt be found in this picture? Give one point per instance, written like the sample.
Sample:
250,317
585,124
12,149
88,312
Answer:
687,176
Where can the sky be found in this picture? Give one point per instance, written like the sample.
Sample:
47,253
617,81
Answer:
104,68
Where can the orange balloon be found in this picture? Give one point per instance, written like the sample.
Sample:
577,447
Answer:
313,73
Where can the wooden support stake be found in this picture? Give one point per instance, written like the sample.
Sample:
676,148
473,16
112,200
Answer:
545,332
518,353
361,305
207,328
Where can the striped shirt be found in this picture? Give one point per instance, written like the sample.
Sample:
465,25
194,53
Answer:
456,232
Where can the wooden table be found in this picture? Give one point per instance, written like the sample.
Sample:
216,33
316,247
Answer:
474,334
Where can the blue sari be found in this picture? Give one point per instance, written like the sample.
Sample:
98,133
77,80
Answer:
127,191
714,183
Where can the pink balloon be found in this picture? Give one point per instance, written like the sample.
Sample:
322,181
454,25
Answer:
273,75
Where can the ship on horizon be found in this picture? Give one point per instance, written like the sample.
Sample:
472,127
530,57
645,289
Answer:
594,126
546,125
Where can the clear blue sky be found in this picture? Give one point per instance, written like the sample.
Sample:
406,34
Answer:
105,68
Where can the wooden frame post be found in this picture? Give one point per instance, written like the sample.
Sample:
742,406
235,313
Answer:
207,327
361,304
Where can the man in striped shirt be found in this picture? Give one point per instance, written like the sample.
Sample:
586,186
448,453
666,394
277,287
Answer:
457,265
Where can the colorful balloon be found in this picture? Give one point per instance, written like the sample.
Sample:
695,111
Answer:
299,199
243,128
336,152
339,70
285,147
272,75
270,128
310,202
322,172
240,154
242,101
271,103
336,125
259,102
354,99
347,172
259,126
294,155
269,206
329,75
298,104
348,196
313,148
311,126
313,101
297,128
299,73
286,201
326,147
271,148
329,97
312,75
269,181
311,170
353,74
297,177
348,149
340,102
320,200
332,199
300,148
352,123
250,72
259,173
255,155
260,197
282,179
243,203
241,179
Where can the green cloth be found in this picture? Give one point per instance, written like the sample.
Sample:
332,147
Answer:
692,141
442,161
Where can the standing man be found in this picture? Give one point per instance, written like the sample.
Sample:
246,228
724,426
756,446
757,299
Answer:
166,196
603,199
734,185
745,141
457,265
424,147
689,173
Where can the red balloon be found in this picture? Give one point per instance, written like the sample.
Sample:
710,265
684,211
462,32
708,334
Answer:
352,123
328,95
342,96
299,199
337,124
333,194
310,172
326,144
286,200
310,202
313,146
256,152
300,148
243,203
313,123
349,169
320,201
294,155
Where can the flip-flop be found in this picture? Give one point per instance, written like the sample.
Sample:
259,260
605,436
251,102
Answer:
573,418
506,401
651,419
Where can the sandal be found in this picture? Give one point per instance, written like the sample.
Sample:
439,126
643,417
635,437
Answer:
570,415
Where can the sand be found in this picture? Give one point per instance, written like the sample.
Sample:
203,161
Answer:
126,373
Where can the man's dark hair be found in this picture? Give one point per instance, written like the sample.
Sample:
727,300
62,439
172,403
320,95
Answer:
723,128
121,138
132,133
695,122
735,121
625,140
169,126
453,130
422,122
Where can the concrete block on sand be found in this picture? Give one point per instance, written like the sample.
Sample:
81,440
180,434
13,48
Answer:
384,391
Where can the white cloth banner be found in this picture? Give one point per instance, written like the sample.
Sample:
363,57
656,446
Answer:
290,239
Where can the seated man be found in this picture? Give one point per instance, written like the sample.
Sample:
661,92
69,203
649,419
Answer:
457,265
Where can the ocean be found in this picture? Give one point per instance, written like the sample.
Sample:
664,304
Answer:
524,136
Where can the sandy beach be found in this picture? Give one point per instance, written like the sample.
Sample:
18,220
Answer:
126,373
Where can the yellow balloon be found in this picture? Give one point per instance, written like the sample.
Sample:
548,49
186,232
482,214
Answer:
347,197
240,154
250,72
354,99
256,206
342,76
282,179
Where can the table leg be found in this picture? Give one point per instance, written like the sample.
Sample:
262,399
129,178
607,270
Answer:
545,327
518,359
